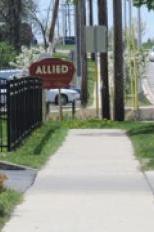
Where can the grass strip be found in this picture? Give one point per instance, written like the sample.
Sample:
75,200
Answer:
37,148
8,200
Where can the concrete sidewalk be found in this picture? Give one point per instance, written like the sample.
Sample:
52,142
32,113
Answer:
92,184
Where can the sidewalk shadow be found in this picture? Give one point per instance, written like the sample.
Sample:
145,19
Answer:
44,140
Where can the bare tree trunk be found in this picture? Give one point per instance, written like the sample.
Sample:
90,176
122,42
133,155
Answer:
84,84
118,62
53,22
103,20
44,37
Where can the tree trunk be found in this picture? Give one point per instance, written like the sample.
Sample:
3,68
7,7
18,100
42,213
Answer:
53,22
118,62
103,20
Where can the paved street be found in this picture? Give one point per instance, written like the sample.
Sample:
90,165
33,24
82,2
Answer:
92,184
150,74
148,82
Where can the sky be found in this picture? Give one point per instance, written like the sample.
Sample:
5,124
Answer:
146,16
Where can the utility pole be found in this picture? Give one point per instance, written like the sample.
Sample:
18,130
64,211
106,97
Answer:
125,15
130,14
69,18
84,82
139,27
91,20
125,22
103,20
139,43
53,22
90,12
118,62
78,40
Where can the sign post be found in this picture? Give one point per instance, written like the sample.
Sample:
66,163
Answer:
96,42
60,107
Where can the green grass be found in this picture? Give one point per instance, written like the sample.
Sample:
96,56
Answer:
61,55
143,141
3,131
8,200
36,149
66,47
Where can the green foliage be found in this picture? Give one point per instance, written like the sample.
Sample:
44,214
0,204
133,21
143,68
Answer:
7,54
135,63
148,44
148,3
13,13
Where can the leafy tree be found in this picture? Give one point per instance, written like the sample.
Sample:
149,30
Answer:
148,3
12,13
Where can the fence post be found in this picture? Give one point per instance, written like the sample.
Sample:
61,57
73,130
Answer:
8,115
73,108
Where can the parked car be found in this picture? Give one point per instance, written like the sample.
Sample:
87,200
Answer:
7,74
77,89
70,40
67,96
151,55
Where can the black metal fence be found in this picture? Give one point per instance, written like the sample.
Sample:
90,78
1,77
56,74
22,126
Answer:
3,114
20,109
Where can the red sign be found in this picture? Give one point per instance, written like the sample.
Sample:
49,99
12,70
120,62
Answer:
55,73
